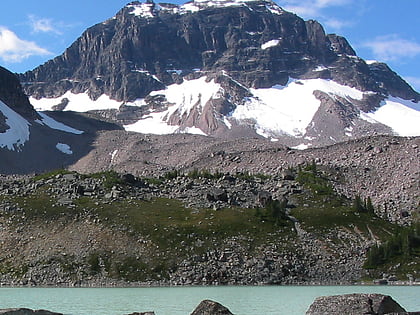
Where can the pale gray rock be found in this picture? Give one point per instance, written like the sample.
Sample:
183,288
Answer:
208,307
355,304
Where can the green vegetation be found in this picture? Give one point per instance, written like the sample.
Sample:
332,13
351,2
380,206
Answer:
402,247
360,206
274,211
194,174
311,178
320,209
110,178
51,174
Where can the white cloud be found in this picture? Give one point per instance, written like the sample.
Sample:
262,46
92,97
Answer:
414,82
315,9
311,8
392,47
14,49
337,24
43,25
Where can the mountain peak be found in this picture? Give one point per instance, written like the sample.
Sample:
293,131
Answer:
230,68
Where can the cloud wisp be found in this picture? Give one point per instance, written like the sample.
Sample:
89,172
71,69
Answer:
311,7
15,50
43,25
315,9
392,48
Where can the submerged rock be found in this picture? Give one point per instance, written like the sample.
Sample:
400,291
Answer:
26,311
355,304
208,307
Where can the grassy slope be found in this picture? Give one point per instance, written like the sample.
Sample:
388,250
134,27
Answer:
174,232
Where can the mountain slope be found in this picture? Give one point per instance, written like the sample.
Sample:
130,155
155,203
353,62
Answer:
33,141
212,67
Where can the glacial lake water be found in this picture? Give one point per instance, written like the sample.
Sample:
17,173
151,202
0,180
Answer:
243,300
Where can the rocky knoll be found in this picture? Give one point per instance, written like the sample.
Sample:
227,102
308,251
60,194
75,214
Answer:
189,228
356,304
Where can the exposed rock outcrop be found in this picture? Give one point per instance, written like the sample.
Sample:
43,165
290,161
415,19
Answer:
11,93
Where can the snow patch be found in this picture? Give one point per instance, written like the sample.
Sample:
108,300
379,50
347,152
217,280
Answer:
113,154
401,115
190,94
64,148
178,72
142,9
156,124
271,43
301,146
348,131
197,5
53,124
320,68
227,122
18,133
76,102
288,109
186,96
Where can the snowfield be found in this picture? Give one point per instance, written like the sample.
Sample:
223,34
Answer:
18,133
274,111
184,97
76,102
53,124
288,109
401,115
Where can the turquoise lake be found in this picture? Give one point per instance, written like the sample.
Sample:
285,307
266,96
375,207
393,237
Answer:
243,300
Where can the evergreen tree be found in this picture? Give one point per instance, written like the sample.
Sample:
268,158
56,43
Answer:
369,206
358,204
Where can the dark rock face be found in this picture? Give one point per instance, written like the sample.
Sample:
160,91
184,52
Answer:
26,311
355,304
208,307
12,95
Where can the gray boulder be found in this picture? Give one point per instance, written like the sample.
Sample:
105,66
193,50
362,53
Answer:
355,304
208,307
26,311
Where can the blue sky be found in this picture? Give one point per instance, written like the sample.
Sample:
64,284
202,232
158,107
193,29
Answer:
32,32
